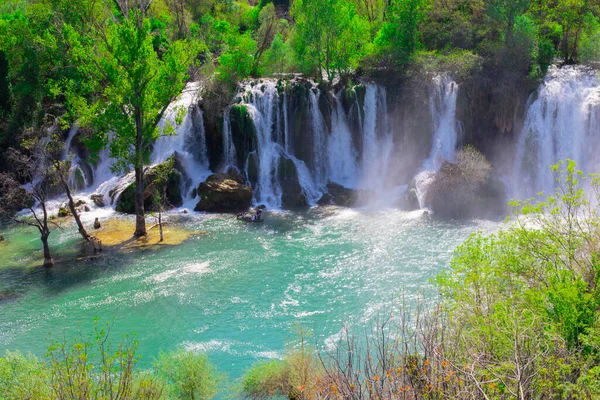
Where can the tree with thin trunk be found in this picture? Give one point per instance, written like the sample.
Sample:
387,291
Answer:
133,88
32,197
53,152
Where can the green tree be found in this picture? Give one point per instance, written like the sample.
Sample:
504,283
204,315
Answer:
330,36
134,87
399,36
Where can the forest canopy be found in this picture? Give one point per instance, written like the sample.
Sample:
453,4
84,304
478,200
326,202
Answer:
42,82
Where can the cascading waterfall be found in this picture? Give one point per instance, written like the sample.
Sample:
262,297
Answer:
77,176
229,153
319,137
563,122
263,109
188,141
342,155
377,141
442,106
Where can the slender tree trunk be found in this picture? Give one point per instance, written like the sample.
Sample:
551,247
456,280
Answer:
160,224
48,262
75,214
140,219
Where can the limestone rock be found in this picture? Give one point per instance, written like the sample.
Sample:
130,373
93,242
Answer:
98,200
162,177
223,193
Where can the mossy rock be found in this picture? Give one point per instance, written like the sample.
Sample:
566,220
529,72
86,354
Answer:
243,132
223,193
292,194
164,176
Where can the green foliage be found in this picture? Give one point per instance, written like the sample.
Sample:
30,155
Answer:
191,375
135,86
237,61
23,377
89,367
400,35
330,36
266,379
528,296
590,40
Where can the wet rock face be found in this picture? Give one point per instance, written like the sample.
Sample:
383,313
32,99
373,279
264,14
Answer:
292,196
162,178
344,197
243,132
467,189
224,193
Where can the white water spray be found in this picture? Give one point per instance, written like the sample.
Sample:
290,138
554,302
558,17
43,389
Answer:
442,107
563,122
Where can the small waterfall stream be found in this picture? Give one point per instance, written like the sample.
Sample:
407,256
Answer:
562,122
442,107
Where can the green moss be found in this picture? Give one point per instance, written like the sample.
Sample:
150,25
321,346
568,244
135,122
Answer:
164,176
243,131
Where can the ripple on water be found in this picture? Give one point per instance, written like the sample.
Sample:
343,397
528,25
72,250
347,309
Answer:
238,292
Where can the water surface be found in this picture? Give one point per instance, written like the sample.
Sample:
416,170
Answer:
240,291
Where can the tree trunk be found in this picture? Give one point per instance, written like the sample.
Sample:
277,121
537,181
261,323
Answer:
160,225
47,257
75,214
140,219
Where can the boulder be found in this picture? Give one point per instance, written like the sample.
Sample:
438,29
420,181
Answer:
223,193
292,194
98,200
161,177
341,195
63,212
467,188
2,238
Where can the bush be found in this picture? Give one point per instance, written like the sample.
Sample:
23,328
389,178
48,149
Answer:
23,377
266,379
190,375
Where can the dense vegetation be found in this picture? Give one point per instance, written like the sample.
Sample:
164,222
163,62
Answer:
46,46
115,66
518,317
520,313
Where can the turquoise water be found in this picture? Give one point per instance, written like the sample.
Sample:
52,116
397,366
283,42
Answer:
240,291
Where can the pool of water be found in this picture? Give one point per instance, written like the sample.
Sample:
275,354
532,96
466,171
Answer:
239,292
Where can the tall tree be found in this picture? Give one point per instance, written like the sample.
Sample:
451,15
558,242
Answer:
134,86
34,166
399,36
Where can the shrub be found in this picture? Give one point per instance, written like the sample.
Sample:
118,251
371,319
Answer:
23,377
190,375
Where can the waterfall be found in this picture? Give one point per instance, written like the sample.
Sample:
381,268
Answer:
343,168
563,122
319,136
72,132
229,153
442,107
286,127
188,140
263,108
377,141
